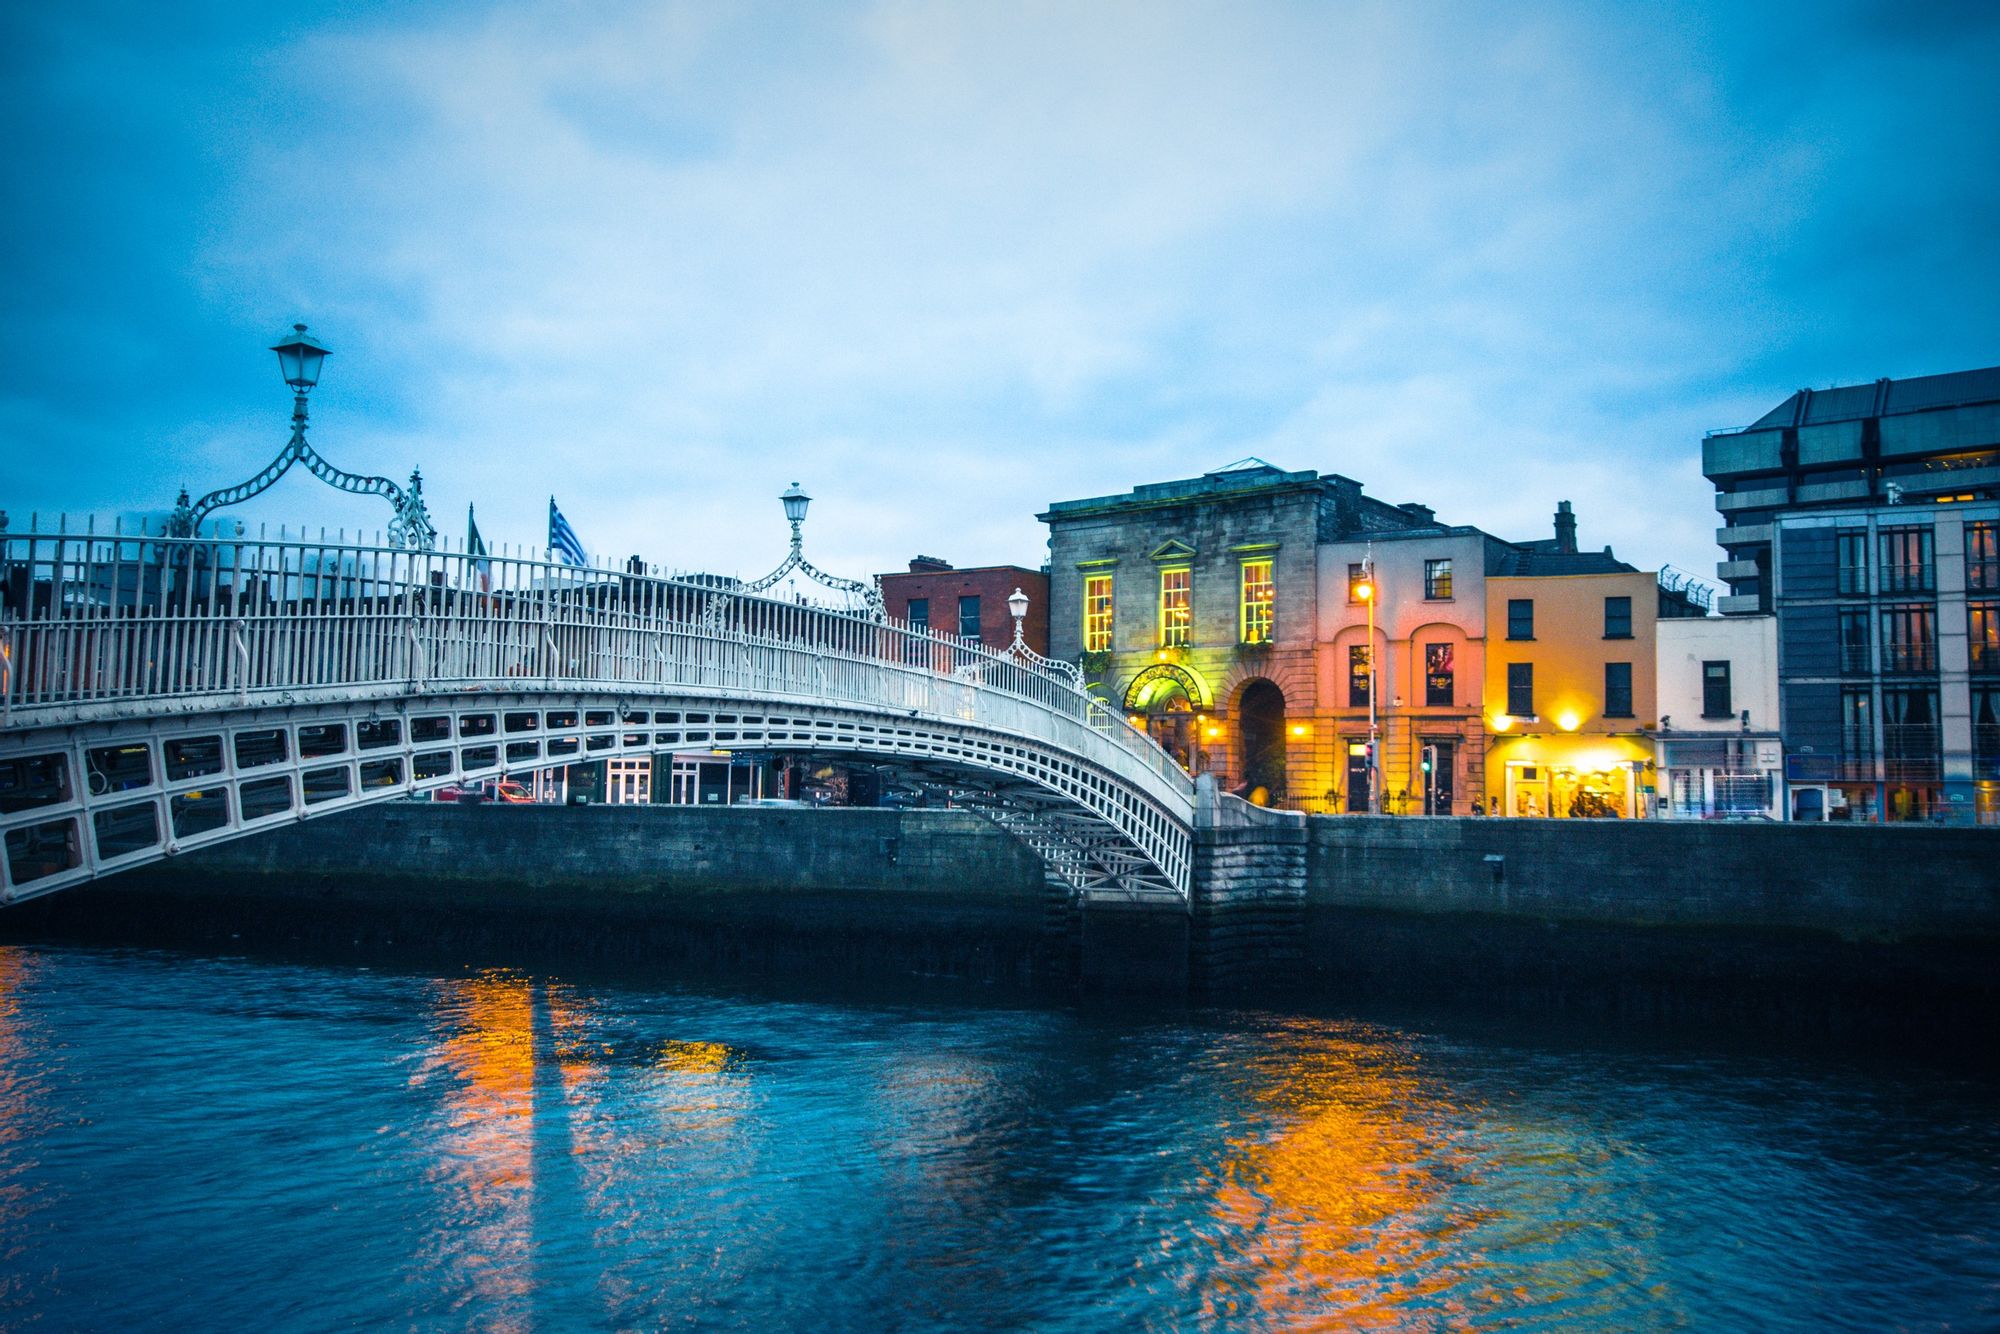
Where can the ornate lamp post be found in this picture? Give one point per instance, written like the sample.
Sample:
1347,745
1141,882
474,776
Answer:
795,501
1017,607
299,358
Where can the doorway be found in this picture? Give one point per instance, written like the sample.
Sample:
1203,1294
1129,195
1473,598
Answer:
1261,708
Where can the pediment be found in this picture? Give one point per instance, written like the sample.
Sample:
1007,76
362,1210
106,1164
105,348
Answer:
1173,551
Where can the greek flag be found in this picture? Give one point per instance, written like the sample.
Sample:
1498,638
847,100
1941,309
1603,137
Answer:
563,543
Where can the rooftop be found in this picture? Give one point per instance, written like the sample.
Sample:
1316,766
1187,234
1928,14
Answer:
1883,398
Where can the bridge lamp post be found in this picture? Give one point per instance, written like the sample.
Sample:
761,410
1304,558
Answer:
795,501
299,358
1017,607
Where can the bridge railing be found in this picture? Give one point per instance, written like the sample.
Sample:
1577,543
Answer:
95,623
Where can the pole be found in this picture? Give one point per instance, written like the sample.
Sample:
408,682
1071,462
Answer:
1374,742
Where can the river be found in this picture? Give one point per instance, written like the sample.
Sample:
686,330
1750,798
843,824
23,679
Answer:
202,1141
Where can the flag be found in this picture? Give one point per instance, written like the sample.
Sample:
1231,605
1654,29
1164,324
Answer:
563,544
475,547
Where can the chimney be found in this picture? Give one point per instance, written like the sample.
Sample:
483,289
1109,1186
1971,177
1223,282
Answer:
1565,527
928,565
1423,514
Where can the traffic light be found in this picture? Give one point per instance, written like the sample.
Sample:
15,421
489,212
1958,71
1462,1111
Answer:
1430,758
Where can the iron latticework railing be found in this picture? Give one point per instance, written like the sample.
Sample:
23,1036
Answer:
100,627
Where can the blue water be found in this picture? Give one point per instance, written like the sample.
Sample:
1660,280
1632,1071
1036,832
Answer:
220,1143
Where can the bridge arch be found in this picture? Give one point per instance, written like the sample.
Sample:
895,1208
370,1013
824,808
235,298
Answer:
283,692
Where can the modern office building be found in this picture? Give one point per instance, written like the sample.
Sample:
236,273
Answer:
1867,519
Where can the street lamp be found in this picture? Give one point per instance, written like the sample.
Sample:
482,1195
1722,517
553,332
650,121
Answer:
299,358
1365,590
795,501
1069,672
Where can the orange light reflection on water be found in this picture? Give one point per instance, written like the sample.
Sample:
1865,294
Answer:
1333,1212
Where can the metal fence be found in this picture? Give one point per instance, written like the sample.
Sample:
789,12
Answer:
107,623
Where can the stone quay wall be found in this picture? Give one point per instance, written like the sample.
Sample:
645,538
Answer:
1649,916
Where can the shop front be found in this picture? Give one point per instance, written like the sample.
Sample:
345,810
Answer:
1582,778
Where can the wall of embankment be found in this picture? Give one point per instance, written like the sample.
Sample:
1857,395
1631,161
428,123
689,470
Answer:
1675,918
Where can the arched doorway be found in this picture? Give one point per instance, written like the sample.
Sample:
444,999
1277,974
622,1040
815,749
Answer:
1260,712
1167,700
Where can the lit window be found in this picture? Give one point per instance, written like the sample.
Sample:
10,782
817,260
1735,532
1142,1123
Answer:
1097,613
1257,602
1360,675
1437,579
1439,685
1176,607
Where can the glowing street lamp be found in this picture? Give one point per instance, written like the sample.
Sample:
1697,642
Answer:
1365,590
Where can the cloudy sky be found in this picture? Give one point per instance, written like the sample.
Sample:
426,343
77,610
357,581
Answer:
947,263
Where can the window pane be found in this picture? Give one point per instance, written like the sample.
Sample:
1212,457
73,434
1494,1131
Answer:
1257,602
1358,666
1521,689
1437,578
1097,613
968,617
1520,618
1618,690
920,613
1439,688
1715,700
1176,607
1618,618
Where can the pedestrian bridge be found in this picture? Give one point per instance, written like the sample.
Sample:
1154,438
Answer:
161,693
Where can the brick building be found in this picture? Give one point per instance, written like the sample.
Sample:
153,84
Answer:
970,603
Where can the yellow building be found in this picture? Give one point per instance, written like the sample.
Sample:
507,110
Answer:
1570,701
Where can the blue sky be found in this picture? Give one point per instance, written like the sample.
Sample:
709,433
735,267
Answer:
944,264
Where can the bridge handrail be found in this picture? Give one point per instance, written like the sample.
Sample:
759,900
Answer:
93,620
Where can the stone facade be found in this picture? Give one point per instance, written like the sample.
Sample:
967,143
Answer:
1242,711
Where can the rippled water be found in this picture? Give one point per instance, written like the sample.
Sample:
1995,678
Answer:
225,1143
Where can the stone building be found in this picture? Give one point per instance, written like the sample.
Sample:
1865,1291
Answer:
1194,605
1867,519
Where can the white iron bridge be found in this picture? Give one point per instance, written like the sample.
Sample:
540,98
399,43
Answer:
161,693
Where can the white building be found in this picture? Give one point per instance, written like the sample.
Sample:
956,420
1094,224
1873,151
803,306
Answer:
1718,750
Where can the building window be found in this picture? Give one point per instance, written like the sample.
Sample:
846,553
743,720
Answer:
1358,675
1906,561
1439,688
968,617
1437,580
1986,731
1097,613
1176,607
1854,641
1521,689
920,613
1983,633
1715,701
1857,727
1520,618
1851,556
1982,555
1618,690
1258,595
1909,638
1910,732
1618,618
1357,575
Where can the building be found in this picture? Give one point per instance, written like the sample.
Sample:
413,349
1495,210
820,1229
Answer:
1194,606
1429,624
1867,520
971,603
1719,754
1571,697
